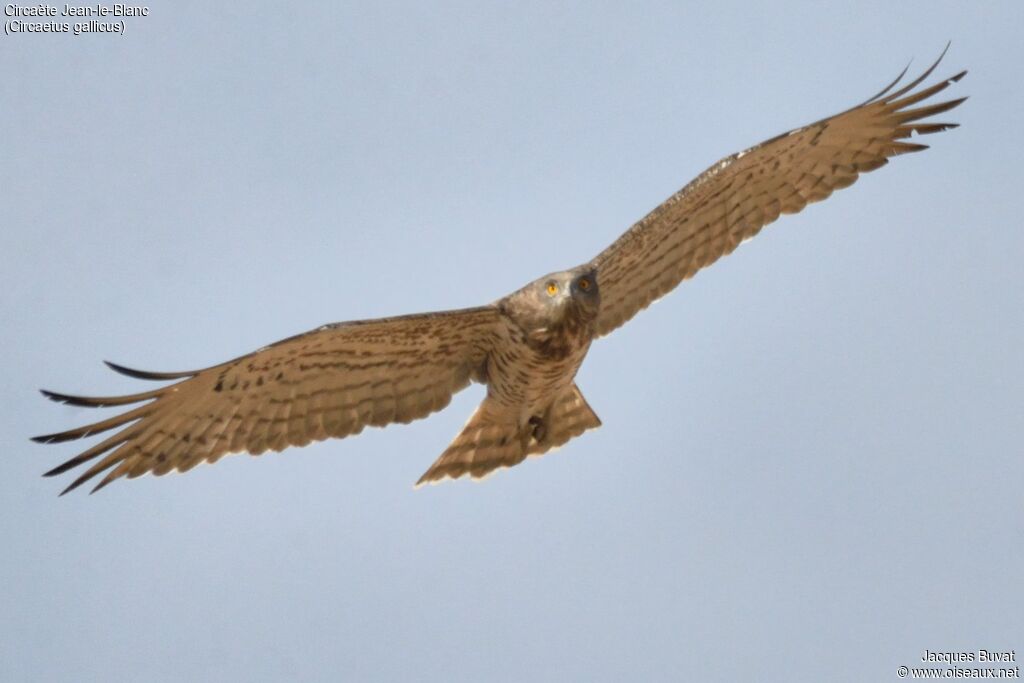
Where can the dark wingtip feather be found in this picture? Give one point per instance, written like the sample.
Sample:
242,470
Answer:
54,396
907,148
886,96
912,129
76,483
71,487
70,435
99,401
92,472
65,466
100,485
144,374
917,81
889,87
70,400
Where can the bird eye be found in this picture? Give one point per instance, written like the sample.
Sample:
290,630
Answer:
552,289
584,284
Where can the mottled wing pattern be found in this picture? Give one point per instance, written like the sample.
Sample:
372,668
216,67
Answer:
735,198
330,382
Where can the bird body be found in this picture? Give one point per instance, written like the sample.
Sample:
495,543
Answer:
532,405
547,335
526,347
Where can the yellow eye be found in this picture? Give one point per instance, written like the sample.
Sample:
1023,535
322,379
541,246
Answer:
584,284
552,289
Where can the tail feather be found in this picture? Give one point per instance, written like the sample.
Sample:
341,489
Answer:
567,418
492,439
484,444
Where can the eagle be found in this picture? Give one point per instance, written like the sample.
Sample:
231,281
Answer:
525,347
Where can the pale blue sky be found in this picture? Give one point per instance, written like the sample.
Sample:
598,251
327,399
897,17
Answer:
810,467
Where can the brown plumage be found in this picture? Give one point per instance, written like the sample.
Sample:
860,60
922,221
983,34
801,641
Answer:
526,347
731,201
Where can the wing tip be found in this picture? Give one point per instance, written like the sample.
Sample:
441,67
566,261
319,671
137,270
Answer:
71,487
100,401
85,476
424,481
61,437
54,396
82,401
120,368
62,468
886,96
145,374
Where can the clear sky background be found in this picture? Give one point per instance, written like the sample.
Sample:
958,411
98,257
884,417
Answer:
811,461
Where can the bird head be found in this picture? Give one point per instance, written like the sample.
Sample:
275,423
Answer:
567,297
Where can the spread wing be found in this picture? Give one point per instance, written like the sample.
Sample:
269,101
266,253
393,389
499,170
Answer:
731,201
329,382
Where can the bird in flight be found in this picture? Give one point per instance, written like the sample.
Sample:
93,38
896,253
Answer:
526,347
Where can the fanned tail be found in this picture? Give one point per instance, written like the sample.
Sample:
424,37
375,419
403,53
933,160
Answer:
488,441
567,418
492,439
